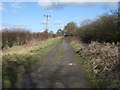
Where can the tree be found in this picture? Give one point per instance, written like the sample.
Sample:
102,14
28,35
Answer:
71,28
51,32
103,29
60,32
46,31
86,22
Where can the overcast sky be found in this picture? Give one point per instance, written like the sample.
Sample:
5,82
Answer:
30,15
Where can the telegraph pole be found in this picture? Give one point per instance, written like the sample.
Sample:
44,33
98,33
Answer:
118,23
119,10
47,16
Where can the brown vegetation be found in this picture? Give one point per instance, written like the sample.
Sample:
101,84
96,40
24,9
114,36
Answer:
19,37
103,59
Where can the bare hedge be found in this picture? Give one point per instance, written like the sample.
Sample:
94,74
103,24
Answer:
19,37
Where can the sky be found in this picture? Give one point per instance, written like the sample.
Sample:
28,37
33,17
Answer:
30,15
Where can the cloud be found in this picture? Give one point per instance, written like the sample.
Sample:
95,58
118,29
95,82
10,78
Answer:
109,5
58,22
14,11
20,26
77,19
50,5
17,5
1,28
78,1
44,22
2,7
9,25
12,4
58,4
57,26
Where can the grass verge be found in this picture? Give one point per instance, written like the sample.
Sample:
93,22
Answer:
15,66
60,53
93,78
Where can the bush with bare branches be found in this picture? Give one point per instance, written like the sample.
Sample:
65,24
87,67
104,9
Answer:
12,37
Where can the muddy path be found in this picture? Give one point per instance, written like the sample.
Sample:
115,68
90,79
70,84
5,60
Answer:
58,69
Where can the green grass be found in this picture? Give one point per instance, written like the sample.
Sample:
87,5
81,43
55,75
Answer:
15,66
60,53
94,79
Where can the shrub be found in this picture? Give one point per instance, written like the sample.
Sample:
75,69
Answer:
104,29
11,37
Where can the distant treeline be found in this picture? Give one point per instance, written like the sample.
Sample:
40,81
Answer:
12,37
103,29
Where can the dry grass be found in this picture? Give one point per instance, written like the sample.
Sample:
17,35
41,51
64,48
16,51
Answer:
23,49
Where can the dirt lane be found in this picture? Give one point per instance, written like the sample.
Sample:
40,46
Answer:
58,69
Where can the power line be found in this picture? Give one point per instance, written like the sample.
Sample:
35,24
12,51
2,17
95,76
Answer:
47,16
